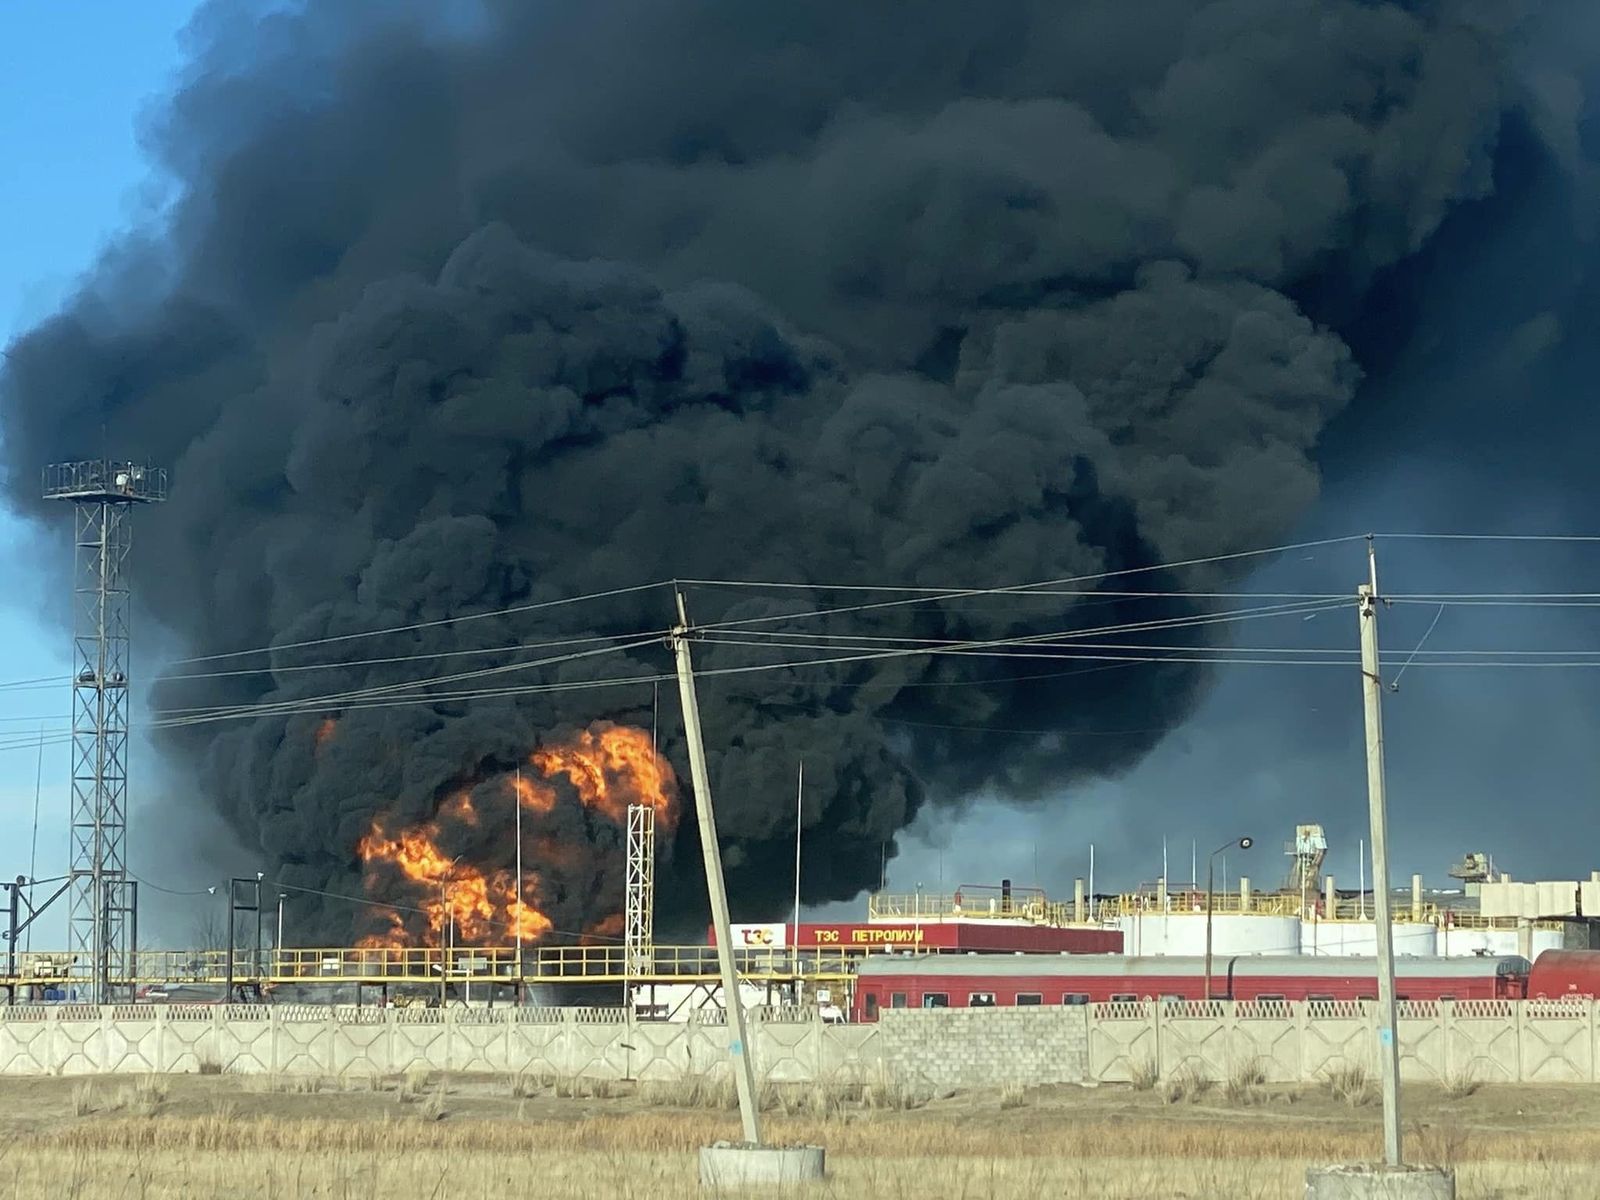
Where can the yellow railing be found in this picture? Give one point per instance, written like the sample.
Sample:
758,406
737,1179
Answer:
985,905
428,965
1276,904
1265,904
1474,921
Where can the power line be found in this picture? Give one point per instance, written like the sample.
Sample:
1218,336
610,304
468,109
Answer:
1023,589
339,699
477,616
1490,537
336,665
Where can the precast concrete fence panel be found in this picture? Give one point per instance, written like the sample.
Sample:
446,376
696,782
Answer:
1488,1041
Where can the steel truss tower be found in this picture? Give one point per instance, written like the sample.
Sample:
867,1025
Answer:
102,912
638,928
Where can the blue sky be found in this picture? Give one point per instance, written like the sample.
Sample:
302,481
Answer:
76,78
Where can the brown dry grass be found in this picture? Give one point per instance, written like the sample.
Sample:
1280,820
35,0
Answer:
1217,1135
459,1136
591,1174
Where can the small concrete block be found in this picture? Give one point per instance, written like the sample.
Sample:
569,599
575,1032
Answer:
735,1165
1368,1181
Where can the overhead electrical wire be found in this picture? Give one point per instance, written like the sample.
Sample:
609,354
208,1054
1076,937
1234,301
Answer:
1489,537
512,610
172,717
336,665
338,699
1059,644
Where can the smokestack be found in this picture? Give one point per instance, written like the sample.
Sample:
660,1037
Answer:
1244,893
1078,905
1330,899
1416,897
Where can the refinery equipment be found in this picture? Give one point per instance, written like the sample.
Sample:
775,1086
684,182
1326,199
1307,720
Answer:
1309,848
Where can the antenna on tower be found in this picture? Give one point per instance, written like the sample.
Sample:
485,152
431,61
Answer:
102,913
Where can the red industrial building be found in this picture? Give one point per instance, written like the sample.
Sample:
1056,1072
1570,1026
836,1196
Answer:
980,981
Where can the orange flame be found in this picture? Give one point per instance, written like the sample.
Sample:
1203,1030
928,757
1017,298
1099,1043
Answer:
325,730
609,768
613,766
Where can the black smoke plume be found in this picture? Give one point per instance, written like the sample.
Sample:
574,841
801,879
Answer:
542,300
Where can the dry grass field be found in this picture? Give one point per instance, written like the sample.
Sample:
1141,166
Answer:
252,1138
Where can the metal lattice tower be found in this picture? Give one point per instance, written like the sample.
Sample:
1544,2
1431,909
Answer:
102,918
638,929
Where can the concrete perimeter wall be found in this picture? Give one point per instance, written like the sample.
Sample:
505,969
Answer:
1533,1041
303,1039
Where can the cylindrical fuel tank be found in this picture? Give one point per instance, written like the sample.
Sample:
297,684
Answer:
1558,973
1231,933
1455,942
1340,938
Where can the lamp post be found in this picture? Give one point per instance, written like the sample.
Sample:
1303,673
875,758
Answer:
1243,843
446,947
277,946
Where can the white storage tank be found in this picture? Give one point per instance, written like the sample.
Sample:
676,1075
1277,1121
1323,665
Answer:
1455,942
1185,933
1348,938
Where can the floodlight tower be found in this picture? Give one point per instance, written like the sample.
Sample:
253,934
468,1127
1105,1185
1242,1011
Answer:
102,913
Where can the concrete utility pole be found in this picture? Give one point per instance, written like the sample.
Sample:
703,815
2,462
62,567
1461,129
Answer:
1372,695
739,1048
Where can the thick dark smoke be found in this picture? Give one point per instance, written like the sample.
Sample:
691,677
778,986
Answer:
567,298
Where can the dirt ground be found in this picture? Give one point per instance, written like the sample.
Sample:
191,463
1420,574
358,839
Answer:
492,1136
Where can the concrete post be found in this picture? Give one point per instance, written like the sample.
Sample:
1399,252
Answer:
1077,901
739,1047
1330,898
1161,893
1416,897
1594,1044
1367,1182
1377,811
1244,893
1157,1037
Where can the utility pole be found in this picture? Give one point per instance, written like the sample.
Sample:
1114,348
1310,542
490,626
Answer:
739,1048
12,929
1372,696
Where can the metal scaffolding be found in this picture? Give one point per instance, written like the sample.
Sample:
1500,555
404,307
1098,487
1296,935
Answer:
102,903
638,930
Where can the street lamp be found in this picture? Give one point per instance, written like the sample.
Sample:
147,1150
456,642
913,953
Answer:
1243,843
447,948
277,946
